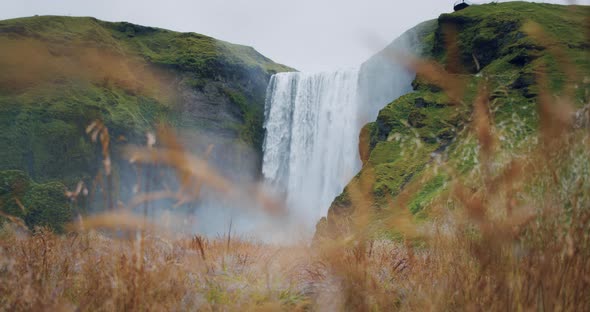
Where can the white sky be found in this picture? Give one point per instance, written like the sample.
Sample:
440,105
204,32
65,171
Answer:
310,35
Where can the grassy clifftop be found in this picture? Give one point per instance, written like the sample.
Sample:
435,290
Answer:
502,46
58,74
191,51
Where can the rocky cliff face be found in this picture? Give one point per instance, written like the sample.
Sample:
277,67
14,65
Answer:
503,46
59,74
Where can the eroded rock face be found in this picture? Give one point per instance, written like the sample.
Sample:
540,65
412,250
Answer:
209,108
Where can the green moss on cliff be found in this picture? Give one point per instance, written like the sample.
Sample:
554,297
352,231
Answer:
419,129
493,31
58,74
408,133
37,204
48,206
429,191
251,131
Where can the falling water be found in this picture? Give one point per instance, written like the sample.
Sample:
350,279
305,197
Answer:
313,121
310,150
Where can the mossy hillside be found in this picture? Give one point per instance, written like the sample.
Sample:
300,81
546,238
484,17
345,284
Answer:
44,131
492,31
58,74
407,135
191,51
415,132
427,194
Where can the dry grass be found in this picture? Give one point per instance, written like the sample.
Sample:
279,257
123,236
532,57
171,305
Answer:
96,272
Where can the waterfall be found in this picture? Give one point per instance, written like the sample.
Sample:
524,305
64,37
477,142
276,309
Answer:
313,121
310,148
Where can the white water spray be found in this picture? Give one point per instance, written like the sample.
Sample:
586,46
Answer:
310,150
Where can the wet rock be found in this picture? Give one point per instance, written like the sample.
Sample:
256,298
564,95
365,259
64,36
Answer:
416,119
419,103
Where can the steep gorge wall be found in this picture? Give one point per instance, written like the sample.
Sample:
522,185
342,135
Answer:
59,74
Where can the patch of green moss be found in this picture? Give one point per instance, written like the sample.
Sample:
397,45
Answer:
491,31
47,205
40,204
391,177
427,193
250,131
403,140
44,131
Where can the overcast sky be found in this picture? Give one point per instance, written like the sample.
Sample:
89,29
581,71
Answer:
310,35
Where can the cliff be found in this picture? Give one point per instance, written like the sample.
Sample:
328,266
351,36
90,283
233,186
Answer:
59,74
487,45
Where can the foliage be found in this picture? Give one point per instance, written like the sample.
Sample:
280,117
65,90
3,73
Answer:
39,205
48,206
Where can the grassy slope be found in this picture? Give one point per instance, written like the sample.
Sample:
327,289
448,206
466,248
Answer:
57,74
412,132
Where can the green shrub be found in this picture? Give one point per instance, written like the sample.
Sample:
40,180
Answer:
47,205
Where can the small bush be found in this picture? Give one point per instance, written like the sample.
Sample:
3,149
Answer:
47,205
